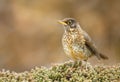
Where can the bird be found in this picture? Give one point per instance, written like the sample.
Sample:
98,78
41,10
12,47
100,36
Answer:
77,44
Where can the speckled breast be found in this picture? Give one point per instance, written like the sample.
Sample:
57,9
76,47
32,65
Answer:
74,46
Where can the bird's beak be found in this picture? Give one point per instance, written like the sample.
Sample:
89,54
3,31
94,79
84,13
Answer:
62,22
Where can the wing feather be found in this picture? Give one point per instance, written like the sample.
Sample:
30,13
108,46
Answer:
90,45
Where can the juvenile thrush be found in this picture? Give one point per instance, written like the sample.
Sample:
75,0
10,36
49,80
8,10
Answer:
77,43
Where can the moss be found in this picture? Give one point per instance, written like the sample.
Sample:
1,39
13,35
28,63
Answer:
67,72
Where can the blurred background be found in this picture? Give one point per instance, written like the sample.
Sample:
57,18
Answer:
30,35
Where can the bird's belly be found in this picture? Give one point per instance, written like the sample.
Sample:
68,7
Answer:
74,47
76,52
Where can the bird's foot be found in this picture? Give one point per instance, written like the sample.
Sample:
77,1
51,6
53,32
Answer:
77,63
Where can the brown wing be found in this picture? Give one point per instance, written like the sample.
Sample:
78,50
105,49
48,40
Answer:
91,46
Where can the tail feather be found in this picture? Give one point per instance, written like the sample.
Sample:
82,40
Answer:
103,56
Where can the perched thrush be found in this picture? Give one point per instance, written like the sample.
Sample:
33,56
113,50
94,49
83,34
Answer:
77,43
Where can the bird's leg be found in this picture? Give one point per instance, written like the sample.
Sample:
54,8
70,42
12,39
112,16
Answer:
84,63
87,65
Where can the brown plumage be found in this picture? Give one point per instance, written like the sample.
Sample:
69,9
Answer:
77,43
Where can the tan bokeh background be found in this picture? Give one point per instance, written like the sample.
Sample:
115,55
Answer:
30,35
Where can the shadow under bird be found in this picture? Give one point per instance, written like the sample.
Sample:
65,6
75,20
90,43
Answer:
77,43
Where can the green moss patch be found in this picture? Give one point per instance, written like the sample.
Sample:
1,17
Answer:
66,72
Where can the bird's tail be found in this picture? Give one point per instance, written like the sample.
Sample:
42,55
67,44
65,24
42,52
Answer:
103,56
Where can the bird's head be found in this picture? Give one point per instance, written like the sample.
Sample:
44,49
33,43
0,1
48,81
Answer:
69,24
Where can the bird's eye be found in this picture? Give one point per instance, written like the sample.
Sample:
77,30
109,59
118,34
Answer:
69,22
